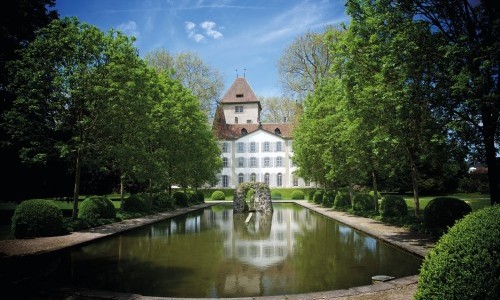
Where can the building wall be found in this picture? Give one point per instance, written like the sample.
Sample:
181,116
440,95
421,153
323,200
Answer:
250,112
271,154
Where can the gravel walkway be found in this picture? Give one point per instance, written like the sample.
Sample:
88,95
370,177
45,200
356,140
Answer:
401,288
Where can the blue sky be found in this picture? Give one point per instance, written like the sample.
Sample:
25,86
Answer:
226,34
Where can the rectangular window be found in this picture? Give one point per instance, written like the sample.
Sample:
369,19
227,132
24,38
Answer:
241,147
253,162
225,162
295,181
249,121
278,147
266,147
267,162
241,162
279,161
238,109
225,147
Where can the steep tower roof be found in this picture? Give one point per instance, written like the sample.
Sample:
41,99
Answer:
240,92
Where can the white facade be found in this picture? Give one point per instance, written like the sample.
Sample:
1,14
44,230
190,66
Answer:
241,113
259,156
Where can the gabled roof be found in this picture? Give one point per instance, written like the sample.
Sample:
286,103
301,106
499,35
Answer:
223,131
240,92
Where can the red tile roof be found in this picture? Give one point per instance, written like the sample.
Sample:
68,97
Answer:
240,92
224,131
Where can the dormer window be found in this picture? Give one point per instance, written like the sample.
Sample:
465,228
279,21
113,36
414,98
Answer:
244,131
277,131
239,95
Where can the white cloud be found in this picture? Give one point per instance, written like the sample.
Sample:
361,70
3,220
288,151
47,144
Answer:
129,28
208,31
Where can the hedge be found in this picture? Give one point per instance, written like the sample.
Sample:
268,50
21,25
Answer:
37,217
465,263
96,207
442,212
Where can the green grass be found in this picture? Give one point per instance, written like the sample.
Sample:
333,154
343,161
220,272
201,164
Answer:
475,200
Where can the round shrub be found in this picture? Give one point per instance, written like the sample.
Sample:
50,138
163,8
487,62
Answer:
318,197
180,199
328,199
218,195
163,201
298,195
95,208
137,203
362,202
342,200
442,212
465,263
37,217
393,206
310,195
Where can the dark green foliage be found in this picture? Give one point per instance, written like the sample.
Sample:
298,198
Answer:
310,195
201,197
342,200
298,195
393,206
442,212
276,195
37,217
180,199
318,197
218,195
328,198
192,198
163,201
137,203
465,264
96,207
362,202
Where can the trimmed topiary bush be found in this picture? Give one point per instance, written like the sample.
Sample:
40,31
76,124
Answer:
137,203
328,198
37,217
393,206
362,202
163,201
465,264
310,195
95,208
218,195
318,197
342,200
442,212
180,199
298,195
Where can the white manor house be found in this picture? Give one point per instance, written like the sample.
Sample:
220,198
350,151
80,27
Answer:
251,150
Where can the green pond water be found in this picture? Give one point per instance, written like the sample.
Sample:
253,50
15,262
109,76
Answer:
213,253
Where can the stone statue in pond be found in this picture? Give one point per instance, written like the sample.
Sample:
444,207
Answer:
260,200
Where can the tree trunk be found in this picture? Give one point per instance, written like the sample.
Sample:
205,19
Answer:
122,200
491,161
375,190
351,193
414,179
76,190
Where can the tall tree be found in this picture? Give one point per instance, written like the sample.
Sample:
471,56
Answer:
471,35
306,61
19,22
279,109
202,80
62,96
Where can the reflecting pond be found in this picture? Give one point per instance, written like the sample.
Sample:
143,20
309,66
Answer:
213,253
